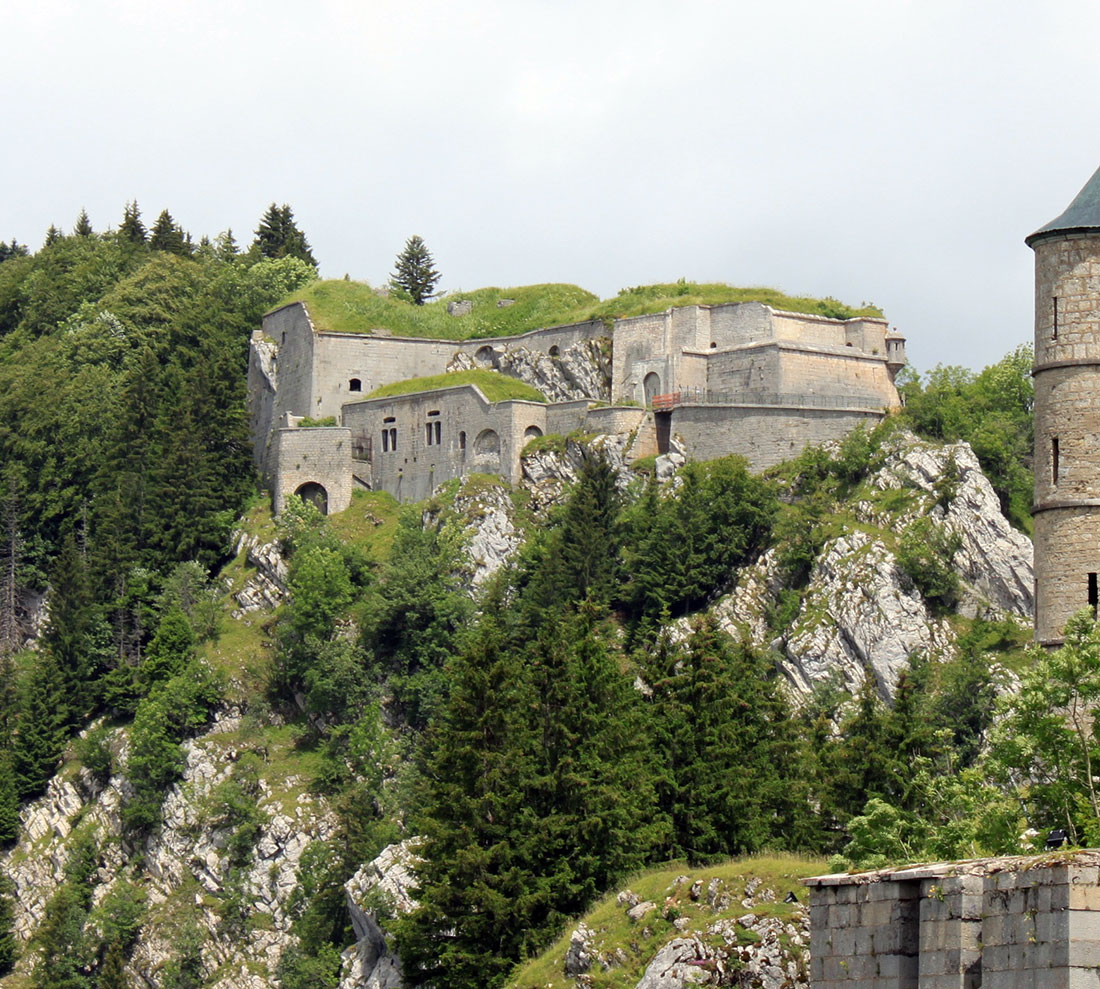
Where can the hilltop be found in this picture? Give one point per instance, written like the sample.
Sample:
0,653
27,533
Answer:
355,307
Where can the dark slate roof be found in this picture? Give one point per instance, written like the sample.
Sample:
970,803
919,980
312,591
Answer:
1082,215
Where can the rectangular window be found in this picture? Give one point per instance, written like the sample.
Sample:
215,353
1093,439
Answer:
1054,330
428,433
1092,593
393,439
438,432
1054,460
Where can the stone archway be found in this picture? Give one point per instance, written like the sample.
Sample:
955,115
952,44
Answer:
315,494
532,432
487,452
651,387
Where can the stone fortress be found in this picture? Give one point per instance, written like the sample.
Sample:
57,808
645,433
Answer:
713,380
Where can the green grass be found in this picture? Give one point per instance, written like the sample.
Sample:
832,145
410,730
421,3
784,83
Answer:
369,523
354,307
640,940
495,386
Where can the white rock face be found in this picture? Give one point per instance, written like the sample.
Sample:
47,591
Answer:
492,535
186,850
995,559
579,372
865,616
370,963
860,612
547,473
266,588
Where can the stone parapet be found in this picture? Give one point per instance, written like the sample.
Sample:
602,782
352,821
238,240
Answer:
1005,923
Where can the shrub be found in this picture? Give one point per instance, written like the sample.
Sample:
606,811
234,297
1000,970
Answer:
925,554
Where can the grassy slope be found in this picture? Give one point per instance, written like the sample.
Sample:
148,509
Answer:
640,940
496,386
354,307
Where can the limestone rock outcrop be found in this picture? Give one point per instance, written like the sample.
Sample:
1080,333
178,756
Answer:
266,588
582,371
184,866
860,612
371,963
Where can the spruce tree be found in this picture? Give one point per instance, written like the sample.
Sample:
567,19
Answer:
278,236
9,951
9,801
53,235
132,230
414,274
83,227
166,235
40,727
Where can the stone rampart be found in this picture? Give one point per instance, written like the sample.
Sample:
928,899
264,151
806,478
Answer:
1020,923
764,435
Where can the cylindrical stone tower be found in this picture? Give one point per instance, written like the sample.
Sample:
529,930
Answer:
1067,413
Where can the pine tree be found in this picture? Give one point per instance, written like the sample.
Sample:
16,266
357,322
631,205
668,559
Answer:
12,250
132,229
53,235
83,227
414,273
13,497
167,235
9,802
278,236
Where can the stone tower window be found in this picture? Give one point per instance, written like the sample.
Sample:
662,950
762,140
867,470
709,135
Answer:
1054,329
355,385
1092,593
462,442
389,436
1054,457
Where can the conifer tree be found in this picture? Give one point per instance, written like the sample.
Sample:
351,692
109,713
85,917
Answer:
83,227
53,235
278,236
167,235
40,727
9,951
414,272
9,802
132,230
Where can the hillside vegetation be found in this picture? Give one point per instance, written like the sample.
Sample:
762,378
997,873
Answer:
355,307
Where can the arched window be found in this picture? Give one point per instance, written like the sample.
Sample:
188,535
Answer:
355,385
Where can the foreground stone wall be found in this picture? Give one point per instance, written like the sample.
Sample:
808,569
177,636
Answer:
993,923
317,455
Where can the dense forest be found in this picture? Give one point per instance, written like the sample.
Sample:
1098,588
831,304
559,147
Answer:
582,716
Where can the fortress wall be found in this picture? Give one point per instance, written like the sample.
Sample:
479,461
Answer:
835,374
565,417
640,344
292,333
739,323
810,330
262,383
375,361
321,455
748,369
614,419
467,441
562,337
764,435
868,335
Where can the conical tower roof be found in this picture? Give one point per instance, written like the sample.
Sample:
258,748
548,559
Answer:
1081,216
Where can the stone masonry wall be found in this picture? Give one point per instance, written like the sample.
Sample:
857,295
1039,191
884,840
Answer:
319,455
1022,923
763,435
1067,412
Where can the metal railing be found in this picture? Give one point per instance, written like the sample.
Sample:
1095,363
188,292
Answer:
807,400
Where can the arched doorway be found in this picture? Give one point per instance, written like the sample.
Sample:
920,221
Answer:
487,452
531,432
651,386
315,494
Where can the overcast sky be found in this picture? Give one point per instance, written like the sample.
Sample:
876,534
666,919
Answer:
890,151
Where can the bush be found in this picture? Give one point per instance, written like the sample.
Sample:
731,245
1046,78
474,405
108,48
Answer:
925,554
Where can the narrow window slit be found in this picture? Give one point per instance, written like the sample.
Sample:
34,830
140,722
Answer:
1054,460
1054,332
1092,593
